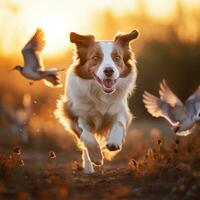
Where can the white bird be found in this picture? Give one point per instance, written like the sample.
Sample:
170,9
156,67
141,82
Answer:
33,68
183,118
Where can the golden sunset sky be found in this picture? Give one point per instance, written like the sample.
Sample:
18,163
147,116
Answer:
20,18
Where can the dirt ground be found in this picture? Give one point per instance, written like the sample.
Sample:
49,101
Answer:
148,168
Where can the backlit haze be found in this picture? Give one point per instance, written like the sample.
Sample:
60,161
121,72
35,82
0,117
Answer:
20,18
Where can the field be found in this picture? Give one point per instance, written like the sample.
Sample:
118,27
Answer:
153,164
39,160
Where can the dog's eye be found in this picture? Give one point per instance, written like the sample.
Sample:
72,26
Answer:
96,58
117,58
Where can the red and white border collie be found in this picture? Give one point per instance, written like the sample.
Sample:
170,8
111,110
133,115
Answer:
98,84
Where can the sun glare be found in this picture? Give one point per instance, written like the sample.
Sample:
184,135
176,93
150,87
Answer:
56,32
161,9
20,19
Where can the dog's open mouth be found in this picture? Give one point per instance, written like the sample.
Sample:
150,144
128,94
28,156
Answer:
108,85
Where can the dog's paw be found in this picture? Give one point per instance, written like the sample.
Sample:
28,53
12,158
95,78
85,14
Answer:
88,167
88,170
113,147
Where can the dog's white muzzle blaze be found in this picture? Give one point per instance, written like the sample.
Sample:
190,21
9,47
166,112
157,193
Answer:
107,73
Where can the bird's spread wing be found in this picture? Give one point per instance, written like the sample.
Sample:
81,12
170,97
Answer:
178,110
159,108
167,95
193,104
31,51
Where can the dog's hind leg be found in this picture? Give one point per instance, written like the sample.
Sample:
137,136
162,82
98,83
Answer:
87,164
90,143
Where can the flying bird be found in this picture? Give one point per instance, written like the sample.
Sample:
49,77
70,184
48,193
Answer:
182,117
33,68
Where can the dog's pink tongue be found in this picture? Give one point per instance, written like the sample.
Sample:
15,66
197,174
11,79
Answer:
108,83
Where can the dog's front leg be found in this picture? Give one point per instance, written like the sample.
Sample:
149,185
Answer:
118,131
116,136
92,152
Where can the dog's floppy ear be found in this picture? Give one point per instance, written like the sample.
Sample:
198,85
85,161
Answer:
81,40
124,39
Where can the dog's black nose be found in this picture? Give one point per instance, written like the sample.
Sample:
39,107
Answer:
108,71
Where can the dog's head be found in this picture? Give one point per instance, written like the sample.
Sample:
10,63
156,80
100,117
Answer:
103,61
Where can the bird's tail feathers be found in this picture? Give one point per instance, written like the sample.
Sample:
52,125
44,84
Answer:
52,80
184,133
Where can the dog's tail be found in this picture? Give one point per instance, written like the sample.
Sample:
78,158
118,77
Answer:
67,119
60,113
